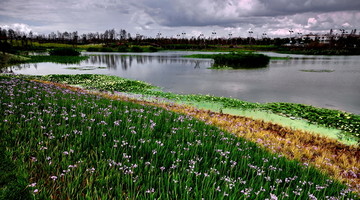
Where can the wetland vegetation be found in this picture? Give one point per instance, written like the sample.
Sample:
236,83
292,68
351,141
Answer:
81,145
347,122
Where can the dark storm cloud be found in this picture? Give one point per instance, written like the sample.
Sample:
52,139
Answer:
289,7
220,12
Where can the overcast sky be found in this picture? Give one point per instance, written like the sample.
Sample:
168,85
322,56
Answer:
172,17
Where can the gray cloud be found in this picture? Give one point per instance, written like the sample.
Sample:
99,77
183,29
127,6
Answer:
288,7
219,12
151,16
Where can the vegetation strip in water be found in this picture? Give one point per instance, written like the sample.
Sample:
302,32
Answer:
70,144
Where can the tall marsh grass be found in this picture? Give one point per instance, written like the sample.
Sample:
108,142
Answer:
71,145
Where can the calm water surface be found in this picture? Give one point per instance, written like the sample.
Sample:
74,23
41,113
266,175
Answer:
281,81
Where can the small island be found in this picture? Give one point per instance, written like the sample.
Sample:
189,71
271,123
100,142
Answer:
240,60
236,60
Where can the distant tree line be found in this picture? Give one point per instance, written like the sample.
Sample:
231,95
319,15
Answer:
113,38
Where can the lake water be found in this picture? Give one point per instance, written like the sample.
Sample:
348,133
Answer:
323,81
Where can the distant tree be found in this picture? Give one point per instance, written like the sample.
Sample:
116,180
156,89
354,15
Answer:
11,35
75,38
66,36
84,38
122,34
59,35
112,35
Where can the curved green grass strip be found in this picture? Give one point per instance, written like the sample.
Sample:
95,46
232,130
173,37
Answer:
347,123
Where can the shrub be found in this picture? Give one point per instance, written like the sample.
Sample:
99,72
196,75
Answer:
123,49
153,49
64,52
106,49
241,60
93,49
136,49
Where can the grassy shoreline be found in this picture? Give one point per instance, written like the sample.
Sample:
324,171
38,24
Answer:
158,154
348,124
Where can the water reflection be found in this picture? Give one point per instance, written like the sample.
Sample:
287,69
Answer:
126,61
23,66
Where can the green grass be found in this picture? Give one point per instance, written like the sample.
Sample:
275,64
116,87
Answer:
59,45
70,145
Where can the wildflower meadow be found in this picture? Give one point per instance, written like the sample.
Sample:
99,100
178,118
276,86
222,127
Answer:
58,143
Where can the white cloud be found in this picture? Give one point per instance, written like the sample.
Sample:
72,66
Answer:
23,28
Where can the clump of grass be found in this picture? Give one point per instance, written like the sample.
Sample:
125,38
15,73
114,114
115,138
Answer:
75,145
